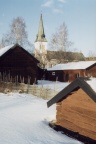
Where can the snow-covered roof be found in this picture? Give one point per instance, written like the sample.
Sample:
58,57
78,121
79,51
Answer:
92,83
5,49
72,65
12,46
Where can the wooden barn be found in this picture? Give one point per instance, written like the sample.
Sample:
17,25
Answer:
70,71
17,63
76,109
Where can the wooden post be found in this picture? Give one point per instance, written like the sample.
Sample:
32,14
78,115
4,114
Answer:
20,79
3,76
16,81
6,78
17,78
0,77
11,79
9,76
42,83
35,80
23,79
29,80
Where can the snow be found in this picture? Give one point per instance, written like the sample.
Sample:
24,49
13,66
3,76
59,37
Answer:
24,120
55,85
5,49
92,83
72,65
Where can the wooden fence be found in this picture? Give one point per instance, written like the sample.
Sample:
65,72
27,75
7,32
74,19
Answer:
16,84
6,77
37,90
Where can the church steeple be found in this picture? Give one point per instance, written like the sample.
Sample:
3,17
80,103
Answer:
41,35
41,43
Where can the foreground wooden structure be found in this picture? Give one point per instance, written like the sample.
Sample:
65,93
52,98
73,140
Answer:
76,108
17,63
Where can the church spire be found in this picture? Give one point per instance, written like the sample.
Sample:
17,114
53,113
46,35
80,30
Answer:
41,35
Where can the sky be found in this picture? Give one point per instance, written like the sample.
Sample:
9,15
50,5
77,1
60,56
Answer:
78,15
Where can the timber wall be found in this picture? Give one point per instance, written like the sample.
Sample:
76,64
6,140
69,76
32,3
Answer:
77,113
71,75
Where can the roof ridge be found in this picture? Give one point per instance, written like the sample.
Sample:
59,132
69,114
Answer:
75,84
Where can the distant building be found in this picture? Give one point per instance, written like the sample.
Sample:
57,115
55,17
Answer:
76,110
51,58
90,58
71,70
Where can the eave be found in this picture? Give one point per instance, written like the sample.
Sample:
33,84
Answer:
78,83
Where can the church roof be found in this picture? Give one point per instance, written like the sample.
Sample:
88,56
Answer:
70,56
41,34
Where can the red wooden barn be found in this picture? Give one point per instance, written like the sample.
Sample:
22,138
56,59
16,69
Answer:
76,109
17,62
70,71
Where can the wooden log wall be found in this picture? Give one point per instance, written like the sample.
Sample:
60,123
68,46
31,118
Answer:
73,74
20,63
77,113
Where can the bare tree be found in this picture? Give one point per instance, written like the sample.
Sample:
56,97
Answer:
17,34
18,31
91,55
59,41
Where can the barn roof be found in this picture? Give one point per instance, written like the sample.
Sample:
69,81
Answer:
12,46
73,65
89,87
5,49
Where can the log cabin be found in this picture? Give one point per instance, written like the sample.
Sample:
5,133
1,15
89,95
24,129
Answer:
15,61
76,109
70,71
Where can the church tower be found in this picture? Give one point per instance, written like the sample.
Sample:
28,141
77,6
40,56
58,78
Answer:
41,42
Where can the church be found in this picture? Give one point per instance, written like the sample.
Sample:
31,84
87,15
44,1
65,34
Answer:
41,43
50,58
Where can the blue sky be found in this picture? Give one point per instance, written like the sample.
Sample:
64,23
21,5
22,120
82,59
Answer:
79,16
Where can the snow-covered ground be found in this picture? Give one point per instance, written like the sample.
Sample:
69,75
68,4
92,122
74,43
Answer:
24,120
55,85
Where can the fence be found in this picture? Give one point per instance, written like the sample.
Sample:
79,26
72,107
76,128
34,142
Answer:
16,84
37,90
